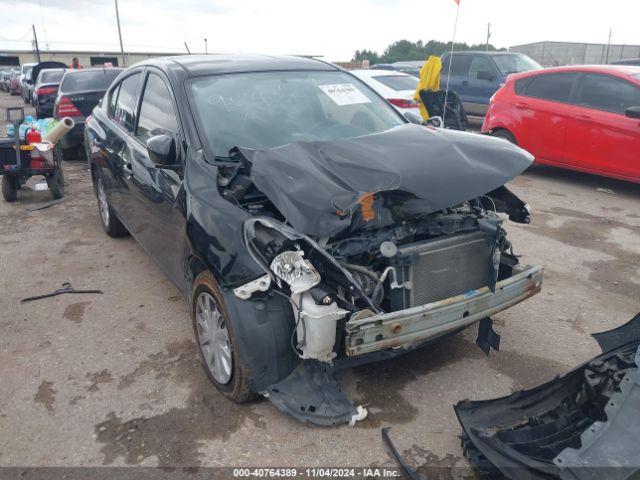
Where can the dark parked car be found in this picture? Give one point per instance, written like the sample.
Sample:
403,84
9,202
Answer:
476,76
79,92
308,224
14,84
45,91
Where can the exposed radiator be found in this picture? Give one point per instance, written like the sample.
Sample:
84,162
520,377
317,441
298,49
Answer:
446,267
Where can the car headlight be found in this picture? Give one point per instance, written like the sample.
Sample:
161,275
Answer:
295,270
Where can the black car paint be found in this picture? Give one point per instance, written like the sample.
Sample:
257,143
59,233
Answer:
180,218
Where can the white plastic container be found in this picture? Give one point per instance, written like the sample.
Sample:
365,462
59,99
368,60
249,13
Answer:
317,327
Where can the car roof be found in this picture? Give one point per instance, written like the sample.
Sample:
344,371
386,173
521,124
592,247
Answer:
201,65
617,70
482,52
73,71
372,72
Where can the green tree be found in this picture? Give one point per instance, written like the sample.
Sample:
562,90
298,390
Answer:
406,50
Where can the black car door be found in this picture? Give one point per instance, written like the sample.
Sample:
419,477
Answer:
116,147
158,219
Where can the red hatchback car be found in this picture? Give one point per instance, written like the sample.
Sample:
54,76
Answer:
585,118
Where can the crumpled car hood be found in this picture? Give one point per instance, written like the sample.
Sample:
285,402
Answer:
310,183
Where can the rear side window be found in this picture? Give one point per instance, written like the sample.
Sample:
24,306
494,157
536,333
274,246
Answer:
124,110
604,92
157,116
555,87
460,65
89,80
398,82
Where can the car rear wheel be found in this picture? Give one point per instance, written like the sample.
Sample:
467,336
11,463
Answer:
219,352
110,222
507,135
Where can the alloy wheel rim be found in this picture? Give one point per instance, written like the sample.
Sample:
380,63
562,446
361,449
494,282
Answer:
103,205
213,337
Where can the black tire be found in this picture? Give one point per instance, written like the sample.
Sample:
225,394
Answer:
110,222
10,188
55,182
506,134
237,387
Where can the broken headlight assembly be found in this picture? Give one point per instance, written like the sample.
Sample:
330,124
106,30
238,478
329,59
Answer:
295,270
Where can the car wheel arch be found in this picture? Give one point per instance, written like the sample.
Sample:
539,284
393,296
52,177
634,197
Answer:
497,130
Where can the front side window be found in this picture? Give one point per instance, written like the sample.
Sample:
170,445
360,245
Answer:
555,87
156,110
269,109
124,110
603,92
481,64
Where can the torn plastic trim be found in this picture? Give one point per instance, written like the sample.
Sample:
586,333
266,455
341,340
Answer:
311,394
425,322
581,425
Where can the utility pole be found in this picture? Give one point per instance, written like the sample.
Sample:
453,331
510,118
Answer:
608,46
124,62
35,44
488,35
206,50
187,47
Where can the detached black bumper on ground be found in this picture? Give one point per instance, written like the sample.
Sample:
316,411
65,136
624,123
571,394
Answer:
581,425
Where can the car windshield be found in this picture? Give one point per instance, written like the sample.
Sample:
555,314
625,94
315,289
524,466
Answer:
269,109
398,82
86,80
50,76
515,63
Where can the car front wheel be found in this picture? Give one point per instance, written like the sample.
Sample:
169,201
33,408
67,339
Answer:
219,352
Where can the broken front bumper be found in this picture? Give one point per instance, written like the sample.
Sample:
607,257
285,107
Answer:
426,322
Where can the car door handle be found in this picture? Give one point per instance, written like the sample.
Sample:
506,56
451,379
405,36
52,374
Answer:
584,118
521,105
465,82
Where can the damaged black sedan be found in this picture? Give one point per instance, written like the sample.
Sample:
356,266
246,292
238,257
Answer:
309,225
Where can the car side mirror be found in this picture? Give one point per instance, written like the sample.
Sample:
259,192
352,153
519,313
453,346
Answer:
486,75
162,151
632,112
413,118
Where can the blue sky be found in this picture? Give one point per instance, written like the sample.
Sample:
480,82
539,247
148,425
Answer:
333,28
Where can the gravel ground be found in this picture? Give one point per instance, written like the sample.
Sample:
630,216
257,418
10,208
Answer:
114,379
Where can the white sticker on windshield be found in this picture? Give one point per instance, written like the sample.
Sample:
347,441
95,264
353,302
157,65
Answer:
344,94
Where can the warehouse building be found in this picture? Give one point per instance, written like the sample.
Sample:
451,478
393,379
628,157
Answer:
87,59
550,54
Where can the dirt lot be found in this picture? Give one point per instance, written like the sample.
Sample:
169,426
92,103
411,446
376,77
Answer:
114,379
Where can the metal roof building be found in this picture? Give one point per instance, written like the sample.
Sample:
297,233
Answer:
86,58
550,54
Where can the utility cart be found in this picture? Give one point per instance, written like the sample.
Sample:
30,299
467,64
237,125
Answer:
20,161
